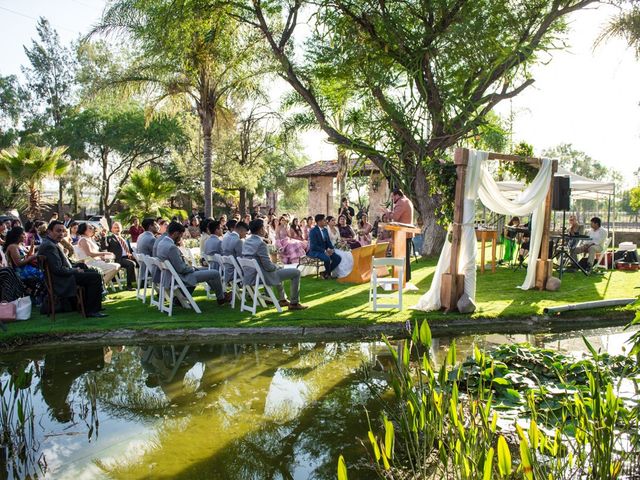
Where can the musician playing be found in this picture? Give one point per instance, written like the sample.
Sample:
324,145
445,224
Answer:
597,240
510,234
574,226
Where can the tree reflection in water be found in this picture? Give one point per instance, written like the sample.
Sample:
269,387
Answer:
207,411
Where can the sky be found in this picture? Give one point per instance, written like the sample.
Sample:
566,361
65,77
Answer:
584,96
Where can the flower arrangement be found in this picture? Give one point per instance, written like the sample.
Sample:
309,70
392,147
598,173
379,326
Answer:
341,244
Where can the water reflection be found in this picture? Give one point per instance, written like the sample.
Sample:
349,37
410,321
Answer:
216,410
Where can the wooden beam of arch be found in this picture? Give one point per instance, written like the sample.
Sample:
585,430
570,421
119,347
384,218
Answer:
452,282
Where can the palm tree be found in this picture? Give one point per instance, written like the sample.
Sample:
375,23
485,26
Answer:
625,25
147,195
192,53
29,165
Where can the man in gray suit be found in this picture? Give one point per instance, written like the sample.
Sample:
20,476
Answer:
213,244
232,245
191,276
254,247
145,242
162,232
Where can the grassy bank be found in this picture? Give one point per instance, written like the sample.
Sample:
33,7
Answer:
333,305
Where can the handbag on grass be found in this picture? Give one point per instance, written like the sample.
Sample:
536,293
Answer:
23,308
7,311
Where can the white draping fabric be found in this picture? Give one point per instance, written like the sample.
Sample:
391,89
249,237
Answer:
480,184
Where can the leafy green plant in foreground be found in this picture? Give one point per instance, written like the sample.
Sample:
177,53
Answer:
444,423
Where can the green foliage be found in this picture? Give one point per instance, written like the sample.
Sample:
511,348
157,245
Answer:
29,166
421,75
519,170
13,103
634,199
50,75
432,430
119,139
625,25
190,52
147,195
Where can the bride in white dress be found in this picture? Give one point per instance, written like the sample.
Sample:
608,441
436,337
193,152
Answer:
346,263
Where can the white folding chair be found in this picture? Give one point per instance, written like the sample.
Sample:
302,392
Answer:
141,279
238,278
176,287
251,263
151,264
219,262
386,282
602,259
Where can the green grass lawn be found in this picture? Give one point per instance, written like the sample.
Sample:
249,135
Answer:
333,304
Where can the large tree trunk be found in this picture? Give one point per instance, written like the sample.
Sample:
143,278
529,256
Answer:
242,204
343,168
426,206
206,120
60,194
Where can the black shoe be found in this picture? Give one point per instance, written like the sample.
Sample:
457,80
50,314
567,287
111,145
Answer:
97,315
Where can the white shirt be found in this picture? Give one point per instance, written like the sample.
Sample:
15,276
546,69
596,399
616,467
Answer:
599,236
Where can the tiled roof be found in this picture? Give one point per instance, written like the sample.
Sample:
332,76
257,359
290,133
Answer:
329,168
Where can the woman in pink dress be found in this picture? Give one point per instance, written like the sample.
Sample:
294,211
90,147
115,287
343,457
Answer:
290,249
364,230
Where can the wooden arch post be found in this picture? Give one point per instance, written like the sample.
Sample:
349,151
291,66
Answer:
453,282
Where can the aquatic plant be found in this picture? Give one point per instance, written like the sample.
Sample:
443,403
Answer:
18,445
444,423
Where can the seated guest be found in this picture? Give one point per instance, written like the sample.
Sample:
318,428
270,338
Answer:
232,245
148,237
66,276
290,249
67,219
254,247
135,230
191,276
305,229
214,242
54,216
73,232
194,227
223,223
246,219
24,261
3,232
122,252
270,230
295,230
67,244
597,239
162,232
364,230
88,250
320,246
347,233
17,223
204,235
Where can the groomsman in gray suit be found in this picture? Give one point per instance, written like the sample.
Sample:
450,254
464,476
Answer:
144,245
191,276
232,246
254,247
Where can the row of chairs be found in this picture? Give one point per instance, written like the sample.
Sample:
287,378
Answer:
162,294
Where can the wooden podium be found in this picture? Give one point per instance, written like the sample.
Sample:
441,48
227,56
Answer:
400,232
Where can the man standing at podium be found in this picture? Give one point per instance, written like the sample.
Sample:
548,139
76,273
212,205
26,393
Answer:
403,213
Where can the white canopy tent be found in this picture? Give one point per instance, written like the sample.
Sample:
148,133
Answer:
582,188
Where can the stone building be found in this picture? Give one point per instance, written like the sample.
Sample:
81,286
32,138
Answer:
321,178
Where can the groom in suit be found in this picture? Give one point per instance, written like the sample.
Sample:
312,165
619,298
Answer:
320,246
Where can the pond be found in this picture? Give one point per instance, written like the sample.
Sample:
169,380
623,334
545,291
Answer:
228,411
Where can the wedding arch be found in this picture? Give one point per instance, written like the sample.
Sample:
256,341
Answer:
456,270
